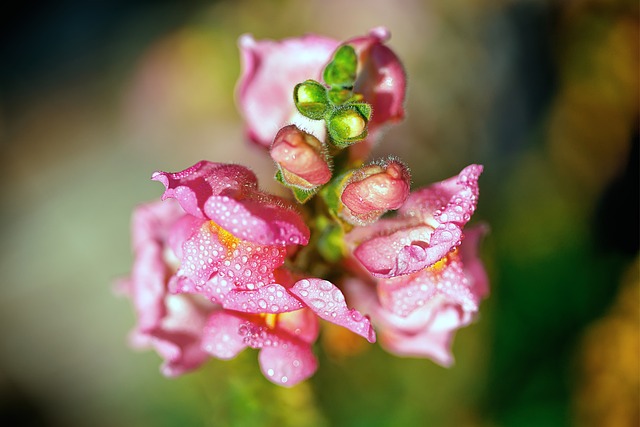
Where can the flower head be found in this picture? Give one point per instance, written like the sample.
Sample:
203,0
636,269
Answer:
232,236
428,226
417,315
271,69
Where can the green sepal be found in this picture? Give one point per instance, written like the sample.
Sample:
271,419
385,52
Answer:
331,241
280,178
311,100
302,196
341,122
341,71
331,194
363,108
339,95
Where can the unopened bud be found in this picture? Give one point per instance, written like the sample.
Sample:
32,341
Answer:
301,158
349,125
310,98
373,190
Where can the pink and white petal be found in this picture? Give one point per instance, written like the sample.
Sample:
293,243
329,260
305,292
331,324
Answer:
147,286
203,254
194,185
434,339
401,252
328,302
382,78
272,298
215,290
259,218
473,266
178,338
433,345
404,294
288,363
221,337
151,223
181,231
270,70
302,324
450,201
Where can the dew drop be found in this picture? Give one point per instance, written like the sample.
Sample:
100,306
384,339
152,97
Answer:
318,303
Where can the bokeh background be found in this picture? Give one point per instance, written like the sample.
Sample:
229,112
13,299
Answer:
95,96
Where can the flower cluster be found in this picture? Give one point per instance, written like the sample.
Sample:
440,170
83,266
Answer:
220,265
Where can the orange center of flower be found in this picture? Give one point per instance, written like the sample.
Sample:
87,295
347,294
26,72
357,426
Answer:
227,239
442,263
270,320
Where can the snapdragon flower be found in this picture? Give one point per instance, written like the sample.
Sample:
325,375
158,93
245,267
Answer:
221,266
270,69
223,239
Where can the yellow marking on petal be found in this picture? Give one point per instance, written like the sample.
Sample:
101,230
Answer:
443,262
227,239
270,320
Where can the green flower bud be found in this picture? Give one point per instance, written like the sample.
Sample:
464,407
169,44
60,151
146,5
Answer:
347,125
310,98
341,71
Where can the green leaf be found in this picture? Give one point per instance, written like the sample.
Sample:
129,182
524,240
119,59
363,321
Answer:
310,98
341,71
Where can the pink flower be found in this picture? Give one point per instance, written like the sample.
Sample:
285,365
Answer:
270,71
271,311
381,77
232,236
417,314
172,324
427,228
284,339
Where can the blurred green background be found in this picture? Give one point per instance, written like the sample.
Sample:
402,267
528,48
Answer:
95,96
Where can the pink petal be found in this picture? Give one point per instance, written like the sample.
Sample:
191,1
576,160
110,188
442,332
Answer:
178,339
473,266
442,209
433,340
302,324
399,252
272,298
287,364
404,294
213,251
147,285
193,186
382,79
270,70
259,218
215,290
450,201
181,231
328,302
220,335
